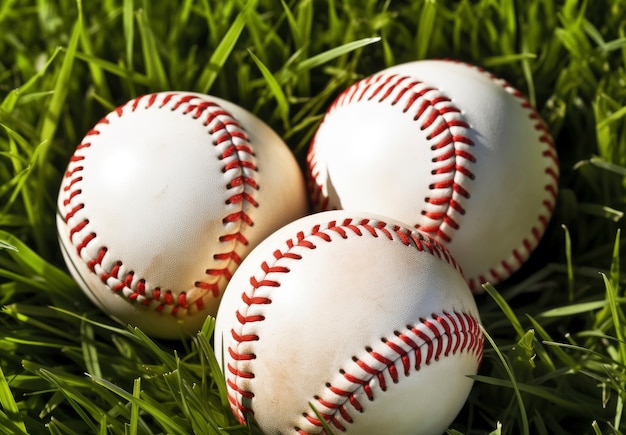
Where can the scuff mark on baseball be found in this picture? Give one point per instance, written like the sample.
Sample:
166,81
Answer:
357,315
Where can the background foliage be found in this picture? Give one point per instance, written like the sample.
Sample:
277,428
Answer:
556,354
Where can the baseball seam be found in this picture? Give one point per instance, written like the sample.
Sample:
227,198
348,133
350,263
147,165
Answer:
428,336
519,255
442,335
443,223
238,156
445,129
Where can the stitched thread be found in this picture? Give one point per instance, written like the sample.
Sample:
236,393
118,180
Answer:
443,223
519,255
224,129
460,331
408,350
445,128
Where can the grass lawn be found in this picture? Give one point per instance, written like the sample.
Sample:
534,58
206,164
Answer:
555,354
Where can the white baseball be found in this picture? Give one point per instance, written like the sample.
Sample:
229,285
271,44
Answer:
446,147
163,199
368,321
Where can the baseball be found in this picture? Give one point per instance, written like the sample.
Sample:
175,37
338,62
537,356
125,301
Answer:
359,317
162,200
448,148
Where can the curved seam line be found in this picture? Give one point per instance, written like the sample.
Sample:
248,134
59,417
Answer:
419,241
165,298
472,342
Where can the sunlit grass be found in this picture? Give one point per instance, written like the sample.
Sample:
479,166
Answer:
555,355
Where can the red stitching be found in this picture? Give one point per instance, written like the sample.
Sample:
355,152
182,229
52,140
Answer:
392,88
459,332
433,111
259,293
520,255
224,128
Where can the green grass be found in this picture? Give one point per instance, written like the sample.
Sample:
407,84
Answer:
555,359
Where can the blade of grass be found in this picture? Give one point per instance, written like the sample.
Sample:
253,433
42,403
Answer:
211,22
159,414
191,404
134,409
425,28
293,25
5,245
539,422
151,54
611,167
552,396
223,50
614,275
528,75
103,425
55,280
614,117
33,316
128,26
58,428
570,268
22,173
90,351
11,409
12,98
97,74
322,58
5,9
506,309
275,89
114,329
8,427
581,349
508,58
564,357
62,85
81,404
596,428
600,210
572,310
128,19
304,22
617,315
209,354
121,71
166,359
327,429
522,410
